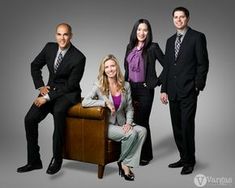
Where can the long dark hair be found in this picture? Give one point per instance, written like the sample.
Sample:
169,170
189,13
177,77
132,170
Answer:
133,38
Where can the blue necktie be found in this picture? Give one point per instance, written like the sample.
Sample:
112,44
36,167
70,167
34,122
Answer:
59,60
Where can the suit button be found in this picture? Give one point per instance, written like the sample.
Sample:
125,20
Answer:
175,64
174,76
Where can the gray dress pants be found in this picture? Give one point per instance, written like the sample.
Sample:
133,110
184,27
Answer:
131,143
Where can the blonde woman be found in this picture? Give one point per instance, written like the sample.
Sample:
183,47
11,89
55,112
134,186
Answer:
113,92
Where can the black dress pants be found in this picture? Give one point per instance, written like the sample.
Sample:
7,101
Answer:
142,98
58,108
183,113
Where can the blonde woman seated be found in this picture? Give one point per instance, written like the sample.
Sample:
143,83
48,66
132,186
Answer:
113,92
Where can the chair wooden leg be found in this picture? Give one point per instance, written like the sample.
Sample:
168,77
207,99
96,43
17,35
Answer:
101,171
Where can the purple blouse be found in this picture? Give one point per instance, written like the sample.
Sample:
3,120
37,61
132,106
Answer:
116,101
136,65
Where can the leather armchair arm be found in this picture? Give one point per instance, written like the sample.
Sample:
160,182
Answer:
87,112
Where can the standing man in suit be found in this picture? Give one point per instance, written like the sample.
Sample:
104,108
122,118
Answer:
185,73
66,66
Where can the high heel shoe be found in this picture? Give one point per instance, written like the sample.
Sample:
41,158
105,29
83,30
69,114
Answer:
128,177
131,173
120,170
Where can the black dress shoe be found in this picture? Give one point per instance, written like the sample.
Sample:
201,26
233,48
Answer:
29,167
144,162
187,170
177,164
54,166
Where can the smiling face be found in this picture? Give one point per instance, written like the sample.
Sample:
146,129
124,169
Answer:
180,20
142,32
63,36
110,68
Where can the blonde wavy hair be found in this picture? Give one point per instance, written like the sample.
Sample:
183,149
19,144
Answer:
103,78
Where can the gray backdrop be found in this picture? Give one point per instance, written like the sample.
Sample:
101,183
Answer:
102,27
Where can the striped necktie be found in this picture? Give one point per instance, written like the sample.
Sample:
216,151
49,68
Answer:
177,45
59,60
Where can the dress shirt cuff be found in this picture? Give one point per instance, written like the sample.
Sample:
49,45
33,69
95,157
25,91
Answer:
46,97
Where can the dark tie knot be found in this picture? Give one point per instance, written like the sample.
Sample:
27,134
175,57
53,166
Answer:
179,36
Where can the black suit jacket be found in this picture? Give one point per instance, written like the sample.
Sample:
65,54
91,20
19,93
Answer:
152,54
189,71
66,80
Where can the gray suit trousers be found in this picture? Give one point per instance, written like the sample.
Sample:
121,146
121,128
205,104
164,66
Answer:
131,143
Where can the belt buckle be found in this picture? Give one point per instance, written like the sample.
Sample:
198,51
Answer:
144,84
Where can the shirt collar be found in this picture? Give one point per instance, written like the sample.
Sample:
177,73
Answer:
64,50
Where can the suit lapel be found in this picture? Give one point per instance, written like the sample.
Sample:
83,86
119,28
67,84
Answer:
110,97
172,48
52,56
145,63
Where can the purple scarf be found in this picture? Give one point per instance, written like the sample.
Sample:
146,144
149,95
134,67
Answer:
136,65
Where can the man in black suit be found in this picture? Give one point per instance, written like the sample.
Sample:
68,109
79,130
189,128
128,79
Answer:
66,66
185,72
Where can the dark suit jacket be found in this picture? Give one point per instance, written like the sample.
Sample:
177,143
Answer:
152,54
189,71
66,81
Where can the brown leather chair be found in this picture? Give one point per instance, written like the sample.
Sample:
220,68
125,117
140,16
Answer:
86,137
